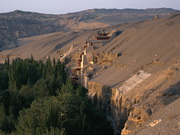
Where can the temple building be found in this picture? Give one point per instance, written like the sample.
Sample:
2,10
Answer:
101,38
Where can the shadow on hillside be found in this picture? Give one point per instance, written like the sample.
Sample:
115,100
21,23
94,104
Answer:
171,94
118,33
64,43
174,89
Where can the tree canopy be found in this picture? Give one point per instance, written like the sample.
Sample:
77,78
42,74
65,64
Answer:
38,98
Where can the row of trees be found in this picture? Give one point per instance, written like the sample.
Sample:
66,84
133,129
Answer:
38,98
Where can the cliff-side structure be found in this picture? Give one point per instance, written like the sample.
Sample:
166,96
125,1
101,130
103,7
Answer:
83,71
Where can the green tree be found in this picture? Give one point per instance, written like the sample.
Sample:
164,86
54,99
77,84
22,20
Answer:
38,98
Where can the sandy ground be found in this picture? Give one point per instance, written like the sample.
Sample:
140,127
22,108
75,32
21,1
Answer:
165,122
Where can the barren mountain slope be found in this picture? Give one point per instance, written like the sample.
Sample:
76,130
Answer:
137,85
20,24
144,78
46,45
142,46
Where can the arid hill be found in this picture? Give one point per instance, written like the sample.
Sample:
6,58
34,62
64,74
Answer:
135,76
20,24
